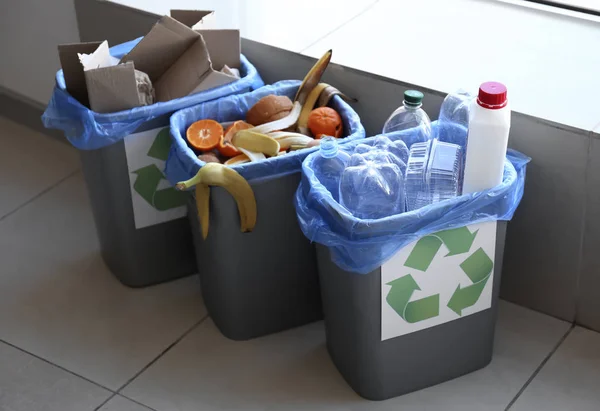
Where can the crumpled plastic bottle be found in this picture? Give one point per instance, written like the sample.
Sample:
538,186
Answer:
455,108
372,185
330,164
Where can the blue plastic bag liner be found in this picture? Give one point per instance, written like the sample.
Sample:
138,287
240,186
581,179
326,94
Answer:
361,246
88,130
183,163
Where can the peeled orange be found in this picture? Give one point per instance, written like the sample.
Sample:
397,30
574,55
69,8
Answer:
225,147
204,134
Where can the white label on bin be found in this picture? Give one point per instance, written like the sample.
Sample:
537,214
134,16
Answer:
154,200
437,279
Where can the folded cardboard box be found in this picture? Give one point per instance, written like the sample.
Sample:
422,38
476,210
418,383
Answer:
176,59
223,44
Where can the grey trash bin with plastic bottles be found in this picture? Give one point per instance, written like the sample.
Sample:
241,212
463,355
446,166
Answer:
410,300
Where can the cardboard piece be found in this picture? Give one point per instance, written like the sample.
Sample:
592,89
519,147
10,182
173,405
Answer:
224,45
164,44
191,17
112,88
175,57
72,69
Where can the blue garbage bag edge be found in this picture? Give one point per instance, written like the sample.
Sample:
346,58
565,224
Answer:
363,245
88,130
183,163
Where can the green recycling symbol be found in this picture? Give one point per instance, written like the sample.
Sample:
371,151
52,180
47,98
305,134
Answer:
148,178
477,266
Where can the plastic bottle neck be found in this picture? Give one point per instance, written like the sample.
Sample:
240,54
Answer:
329,147
411,106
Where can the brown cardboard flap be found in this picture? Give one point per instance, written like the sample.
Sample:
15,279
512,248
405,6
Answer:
223,47
214,79
189,17
73,70
186,74
112,88
161,47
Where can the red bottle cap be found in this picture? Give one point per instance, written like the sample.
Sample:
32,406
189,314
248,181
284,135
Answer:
492,95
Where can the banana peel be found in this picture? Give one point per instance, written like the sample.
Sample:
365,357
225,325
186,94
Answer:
278,135
203,206
313,77
328,93
304,101
287,142
239,159
308,106
257,142
214,174
252,156
281,124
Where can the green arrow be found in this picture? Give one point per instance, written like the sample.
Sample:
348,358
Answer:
414,311
423,253
161,145
457,240
169,198
146,185
478,267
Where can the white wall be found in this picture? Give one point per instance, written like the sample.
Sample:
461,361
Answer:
29,33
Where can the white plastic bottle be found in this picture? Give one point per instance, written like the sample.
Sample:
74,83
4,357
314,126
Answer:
489,124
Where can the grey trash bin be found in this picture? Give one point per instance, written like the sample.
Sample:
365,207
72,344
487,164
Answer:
264,281
261,282
378,370
137,257
159,250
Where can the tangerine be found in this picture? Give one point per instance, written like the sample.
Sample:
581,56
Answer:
325,121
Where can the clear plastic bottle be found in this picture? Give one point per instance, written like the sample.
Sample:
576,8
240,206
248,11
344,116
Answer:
410,115
372,185
330,164
432,174
455,108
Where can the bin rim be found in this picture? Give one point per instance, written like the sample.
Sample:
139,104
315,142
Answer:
247,71
363,228
279,165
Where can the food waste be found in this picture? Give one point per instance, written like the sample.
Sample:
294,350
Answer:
274,126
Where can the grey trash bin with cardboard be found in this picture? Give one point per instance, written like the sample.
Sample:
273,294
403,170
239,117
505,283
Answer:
114,105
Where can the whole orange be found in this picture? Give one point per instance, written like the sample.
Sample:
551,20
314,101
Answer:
325,121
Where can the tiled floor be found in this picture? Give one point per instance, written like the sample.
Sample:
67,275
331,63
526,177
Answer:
73,338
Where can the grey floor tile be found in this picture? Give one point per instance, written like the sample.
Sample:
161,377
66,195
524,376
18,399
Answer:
570,380
292,371
59,301
119,403
30,163
30,384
